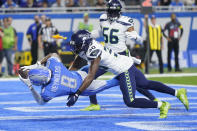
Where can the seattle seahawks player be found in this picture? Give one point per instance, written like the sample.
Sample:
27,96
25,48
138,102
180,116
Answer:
56,80
129,76
116,28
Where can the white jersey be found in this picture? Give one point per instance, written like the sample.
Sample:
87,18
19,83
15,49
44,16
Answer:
110,60
114,33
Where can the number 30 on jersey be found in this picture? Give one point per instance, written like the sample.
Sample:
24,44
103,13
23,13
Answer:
111,38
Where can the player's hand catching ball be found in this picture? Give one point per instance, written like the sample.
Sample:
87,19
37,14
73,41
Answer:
72,98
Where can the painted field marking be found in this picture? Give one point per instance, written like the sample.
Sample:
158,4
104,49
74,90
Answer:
64,108
96,116
63,99
158,125
14,93
156,75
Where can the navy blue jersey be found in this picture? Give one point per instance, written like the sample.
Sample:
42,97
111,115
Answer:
33,31
63,82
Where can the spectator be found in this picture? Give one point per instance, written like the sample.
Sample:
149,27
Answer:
82,3
9,43
32,36
59,3
9,4
173,38
189,2
70,3
29,4
43,20
100,3
45,4
155,40
1,49
176,3
45,40
85,24
164,2
132,2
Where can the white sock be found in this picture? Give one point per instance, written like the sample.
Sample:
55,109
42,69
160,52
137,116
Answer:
159,103
175,92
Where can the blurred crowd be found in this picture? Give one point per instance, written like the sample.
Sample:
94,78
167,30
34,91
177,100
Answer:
83,3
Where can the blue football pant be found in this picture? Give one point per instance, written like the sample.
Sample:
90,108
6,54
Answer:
128,82
100,72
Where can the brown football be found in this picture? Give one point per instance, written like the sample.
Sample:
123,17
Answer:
23,73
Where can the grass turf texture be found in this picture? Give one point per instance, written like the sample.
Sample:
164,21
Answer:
190,80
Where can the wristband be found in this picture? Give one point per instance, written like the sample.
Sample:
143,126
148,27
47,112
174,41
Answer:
78,92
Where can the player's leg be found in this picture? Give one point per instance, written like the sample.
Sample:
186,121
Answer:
146,93
100,85
159,56
128,87
170,46
176,54
94,106
142,82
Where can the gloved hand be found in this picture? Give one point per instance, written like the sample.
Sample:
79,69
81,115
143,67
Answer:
26,81
72,98
24,68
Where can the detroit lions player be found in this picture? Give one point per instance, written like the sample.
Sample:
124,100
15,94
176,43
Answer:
56,80
129,76
116,28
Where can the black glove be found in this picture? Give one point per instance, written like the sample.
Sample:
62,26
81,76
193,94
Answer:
72,98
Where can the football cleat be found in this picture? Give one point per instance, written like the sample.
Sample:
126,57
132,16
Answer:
182,96
92,107
164,109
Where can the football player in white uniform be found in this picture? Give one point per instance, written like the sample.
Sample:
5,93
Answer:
128,75
116,29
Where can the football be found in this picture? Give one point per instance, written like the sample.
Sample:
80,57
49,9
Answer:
22,73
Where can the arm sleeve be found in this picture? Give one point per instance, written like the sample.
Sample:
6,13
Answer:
134,36
181,28
165,28
29,34
15,33
37,97
52,60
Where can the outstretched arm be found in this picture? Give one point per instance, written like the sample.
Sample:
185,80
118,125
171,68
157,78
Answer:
23,75
133,35
87,81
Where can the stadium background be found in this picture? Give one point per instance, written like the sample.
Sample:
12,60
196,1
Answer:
68,22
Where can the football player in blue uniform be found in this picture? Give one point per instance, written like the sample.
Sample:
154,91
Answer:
128,75
56,80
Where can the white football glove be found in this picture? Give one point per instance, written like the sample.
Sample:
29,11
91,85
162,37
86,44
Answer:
26,81
24,68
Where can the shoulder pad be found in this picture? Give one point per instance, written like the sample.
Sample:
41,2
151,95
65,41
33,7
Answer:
103,17
93,52
127,21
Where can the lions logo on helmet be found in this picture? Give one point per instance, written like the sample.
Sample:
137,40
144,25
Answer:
39,76
113,10
80,41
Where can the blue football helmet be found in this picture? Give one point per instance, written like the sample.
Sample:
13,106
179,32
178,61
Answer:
80,41
113,10
39,76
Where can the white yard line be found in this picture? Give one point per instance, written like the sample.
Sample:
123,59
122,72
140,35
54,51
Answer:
111,76
156,75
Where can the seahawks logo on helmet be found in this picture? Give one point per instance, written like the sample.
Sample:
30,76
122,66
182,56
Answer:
80,41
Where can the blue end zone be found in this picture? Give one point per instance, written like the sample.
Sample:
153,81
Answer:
20,112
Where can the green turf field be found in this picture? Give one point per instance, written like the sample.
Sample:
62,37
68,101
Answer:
190,80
